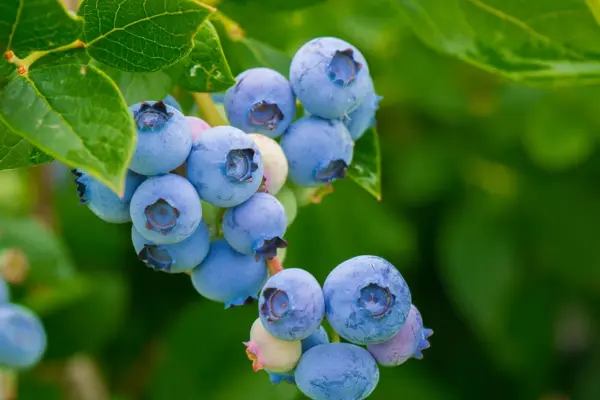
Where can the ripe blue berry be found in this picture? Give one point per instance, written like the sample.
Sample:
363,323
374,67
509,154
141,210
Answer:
363,117
261,101
316,338
178,257
172,101
22,337
318,150
329,76
278,377
407,343
256,226
274,161
166,209
337,371
163,138
225,166
229,277
269,353
102,201
291,304
366,300
4,292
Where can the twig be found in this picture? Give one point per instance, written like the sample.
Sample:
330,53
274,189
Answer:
208,110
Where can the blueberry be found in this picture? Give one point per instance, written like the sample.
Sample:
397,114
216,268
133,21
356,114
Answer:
22,337
261,101
366,300
318,150
172,101
166,209
363,117
178,257
4,292
229,277
197,127
256,226
163,138
316,338
337,371
274,161
407,343
102,201
278,377
329,76
287,198
269,353
291,305
225,166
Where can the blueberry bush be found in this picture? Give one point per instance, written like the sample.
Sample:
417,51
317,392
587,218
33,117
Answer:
314,167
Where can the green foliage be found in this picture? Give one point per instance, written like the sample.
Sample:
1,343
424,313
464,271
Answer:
21,29
44,255
545,43
205,69
366,164
86,115
142,36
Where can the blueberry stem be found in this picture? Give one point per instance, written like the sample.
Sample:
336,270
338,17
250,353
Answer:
335,338
208,109
321,193
219,221
274,266
8,384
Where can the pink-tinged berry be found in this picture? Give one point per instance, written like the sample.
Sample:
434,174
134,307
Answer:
197,127
408,343
274,161
269,353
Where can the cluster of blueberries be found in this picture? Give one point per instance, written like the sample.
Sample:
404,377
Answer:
22,335
365,300
223,216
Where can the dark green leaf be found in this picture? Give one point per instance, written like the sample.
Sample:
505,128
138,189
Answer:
17,152
141,86
28,25
76,114
44,253
479,264
89,323
276,5
366,163
205,69
142,36
541,42
251,53
44,299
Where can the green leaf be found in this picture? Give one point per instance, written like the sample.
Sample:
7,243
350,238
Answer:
251,53
205,69
538,42
45,299
17,152
44,253
89,323
28,25
142,35
276,5
141,86
366,163
76,114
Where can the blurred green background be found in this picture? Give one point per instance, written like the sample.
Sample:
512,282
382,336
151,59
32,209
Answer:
491,210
